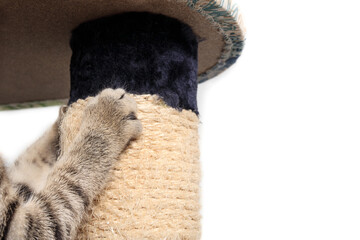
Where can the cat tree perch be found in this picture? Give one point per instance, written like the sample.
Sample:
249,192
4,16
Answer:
154,190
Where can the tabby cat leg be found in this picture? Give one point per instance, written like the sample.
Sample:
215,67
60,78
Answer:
109,123
33,166
8,200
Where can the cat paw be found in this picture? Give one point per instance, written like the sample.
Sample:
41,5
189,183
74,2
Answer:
114,111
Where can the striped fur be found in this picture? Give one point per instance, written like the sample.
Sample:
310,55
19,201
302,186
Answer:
54,205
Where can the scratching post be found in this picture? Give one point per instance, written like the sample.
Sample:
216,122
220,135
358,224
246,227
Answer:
159,54
154,189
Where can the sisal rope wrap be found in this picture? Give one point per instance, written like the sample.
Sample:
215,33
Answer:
153,192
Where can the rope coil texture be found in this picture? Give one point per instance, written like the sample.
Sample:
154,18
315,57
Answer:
153,191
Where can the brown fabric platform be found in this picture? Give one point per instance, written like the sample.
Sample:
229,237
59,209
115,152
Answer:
34,40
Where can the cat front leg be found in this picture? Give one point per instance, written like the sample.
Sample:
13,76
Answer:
8,200
109,123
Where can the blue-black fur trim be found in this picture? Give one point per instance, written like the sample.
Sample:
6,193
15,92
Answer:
143,53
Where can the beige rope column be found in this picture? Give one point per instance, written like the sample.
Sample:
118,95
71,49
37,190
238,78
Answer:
153,192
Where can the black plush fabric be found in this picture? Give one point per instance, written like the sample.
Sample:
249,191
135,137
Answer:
143,53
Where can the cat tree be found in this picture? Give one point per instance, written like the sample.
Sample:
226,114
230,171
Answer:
159,54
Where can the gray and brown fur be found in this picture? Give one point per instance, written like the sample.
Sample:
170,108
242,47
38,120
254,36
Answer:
48,191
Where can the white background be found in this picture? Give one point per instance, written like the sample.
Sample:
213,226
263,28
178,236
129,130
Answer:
280,131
